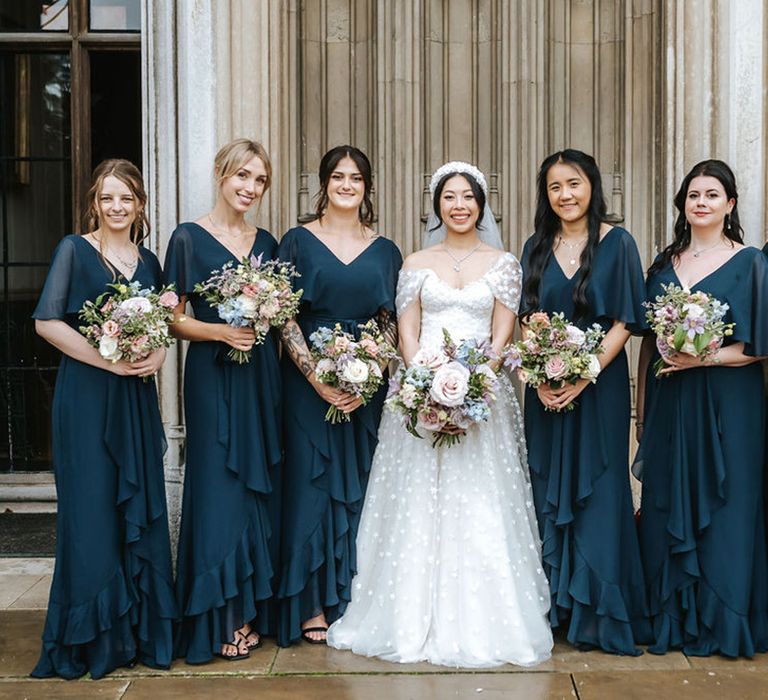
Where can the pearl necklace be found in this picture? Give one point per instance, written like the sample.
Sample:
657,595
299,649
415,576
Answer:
457,261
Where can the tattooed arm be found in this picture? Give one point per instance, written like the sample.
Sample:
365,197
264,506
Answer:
296,346
388,325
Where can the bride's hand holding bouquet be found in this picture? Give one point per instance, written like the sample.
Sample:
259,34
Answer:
445,390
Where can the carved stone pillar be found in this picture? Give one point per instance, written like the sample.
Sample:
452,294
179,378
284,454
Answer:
715,100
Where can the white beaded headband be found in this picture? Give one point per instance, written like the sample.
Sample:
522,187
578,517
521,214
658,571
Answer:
457,166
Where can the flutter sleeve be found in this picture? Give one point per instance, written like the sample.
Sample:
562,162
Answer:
53,300
409,288
505,279
180,262
617,290
749,308
288,251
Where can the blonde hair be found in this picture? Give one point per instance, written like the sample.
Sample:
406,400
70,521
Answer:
237,153
130,176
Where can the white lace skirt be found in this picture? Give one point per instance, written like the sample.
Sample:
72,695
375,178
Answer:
449,558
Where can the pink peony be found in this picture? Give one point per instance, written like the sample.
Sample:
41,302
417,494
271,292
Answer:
555,368
111,329
450,384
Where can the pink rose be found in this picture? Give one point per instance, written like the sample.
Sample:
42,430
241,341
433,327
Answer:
450,384
341,343
429,357
110,329
429,419
460,419
250,291
575,337
168,299
555,368
369,346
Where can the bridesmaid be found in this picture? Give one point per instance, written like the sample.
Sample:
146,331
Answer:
111,601
349,275
578,264
233,426
701,456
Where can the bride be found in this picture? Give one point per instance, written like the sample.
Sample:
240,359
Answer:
449,558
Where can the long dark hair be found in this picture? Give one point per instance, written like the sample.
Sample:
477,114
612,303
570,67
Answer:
547,226
328,165
477,191
731,225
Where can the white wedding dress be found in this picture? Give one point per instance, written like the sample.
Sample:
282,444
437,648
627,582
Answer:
449,557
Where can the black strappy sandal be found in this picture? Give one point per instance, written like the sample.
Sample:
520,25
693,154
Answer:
309,639
235,643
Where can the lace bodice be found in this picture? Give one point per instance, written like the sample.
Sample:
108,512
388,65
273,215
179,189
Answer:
465,312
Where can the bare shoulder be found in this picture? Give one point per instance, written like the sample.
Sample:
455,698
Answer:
420,259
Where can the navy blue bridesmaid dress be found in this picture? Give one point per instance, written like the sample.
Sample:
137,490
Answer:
701,460
233,452
579,462
326,466
111,599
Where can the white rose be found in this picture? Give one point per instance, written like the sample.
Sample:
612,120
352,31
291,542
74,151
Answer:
693,310
450,384
593,368
355,372
136,305
429,357
575,337
108,348
248,305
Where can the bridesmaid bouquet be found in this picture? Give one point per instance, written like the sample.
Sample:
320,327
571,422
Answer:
350,365
445,390
252,294
555,351
128,322
687,322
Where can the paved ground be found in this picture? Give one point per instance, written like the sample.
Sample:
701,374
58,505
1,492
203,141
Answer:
318,673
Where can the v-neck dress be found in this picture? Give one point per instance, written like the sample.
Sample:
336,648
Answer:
579,463
326,466
233,452
701,460
111,599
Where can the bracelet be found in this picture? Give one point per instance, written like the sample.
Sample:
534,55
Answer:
181,318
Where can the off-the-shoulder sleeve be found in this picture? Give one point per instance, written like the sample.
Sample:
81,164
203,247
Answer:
616,289
180,261
505,279
53,300
749,308
409,288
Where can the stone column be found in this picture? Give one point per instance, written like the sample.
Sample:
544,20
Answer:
179,100
714,100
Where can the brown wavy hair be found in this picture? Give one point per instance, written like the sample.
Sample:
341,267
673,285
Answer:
328,165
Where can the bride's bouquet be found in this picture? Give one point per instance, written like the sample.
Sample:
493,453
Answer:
687,322
128,322
445,390
353,366
555,351
252,294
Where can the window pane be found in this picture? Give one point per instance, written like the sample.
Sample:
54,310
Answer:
115,106
35,118
116,15
34,15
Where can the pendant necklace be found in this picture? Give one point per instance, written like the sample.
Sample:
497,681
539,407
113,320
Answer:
221,229
572,247
696,253
457,261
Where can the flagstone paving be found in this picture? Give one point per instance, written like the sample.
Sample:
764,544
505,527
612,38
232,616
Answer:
307,672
